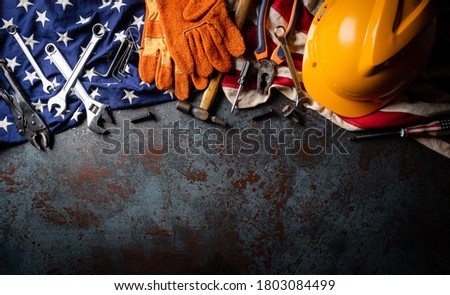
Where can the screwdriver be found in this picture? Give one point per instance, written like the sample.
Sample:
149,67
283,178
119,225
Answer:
241,81
435,128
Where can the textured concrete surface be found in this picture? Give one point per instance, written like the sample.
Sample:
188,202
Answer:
380,208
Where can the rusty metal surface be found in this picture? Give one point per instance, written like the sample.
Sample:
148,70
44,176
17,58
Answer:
381,208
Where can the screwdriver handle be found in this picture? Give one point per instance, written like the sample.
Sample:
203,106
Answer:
435,128
244,73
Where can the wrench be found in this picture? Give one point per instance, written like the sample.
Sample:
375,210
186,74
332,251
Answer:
94,109
98,31
280,33
46,84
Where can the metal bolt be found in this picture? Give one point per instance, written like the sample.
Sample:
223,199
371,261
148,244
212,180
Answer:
264,116
146,117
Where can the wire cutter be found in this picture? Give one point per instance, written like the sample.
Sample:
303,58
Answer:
28,122
266,67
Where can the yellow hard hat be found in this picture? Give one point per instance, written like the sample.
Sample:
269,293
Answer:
360,55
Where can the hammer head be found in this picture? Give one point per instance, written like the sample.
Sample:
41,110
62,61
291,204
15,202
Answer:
187,108
184,107
199,113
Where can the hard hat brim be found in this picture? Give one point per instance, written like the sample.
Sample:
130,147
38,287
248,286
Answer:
321,93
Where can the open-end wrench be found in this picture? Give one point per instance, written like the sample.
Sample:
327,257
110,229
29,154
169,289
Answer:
98,31
94,110
46,84
280,33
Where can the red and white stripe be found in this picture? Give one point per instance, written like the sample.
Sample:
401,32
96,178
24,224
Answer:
400,112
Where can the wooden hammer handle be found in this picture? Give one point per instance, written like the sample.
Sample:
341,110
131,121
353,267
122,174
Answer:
209,95
242,11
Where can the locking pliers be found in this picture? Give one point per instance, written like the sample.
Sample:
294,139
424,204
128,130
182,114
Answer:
28,122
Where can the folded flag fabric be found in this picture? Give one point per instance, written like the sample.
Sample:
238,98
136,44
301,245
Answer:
427,97
68,24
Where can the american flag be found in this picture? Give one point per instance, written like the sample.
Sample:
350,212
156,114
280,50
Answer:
430,91
68,24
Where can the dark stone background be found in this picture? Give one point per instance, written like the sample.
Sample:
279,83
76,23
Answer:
381,208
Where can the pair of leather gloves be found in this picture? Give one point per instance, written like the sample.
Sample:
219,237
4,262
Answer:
184,40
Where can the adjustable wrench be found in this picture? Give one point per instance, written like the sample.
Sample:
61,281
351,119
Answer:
94,110
46,84
98,31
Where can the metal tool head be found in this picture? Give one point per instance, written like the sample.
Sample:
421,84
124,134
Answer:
97,116
58,103
280,33
187,108
34,129
302,101
11,29
184,106
291,112
98,30
41,140
266,75
219,121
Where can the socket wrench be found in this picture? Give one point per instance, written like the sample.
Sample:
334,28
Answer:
98,31
46,84
94,110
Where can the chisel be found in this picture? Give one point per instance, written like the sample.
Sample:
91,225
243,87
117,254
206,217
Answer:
241,81
435,128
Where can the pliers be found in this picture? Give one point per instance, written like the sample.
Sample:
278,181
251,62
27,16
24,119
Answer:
266,67
28,122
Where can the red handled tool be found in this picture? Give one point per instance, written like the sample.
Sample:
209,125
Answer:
435,128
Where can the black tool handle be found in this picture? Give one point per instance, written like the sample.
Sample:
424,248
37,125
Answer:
26,118
244,73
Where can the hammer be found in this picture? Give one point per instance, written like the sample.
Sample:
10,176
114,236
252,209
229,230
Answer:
202,112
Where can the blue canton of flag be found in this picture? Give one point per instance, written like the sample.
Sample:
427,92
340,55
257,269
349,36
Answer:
68,24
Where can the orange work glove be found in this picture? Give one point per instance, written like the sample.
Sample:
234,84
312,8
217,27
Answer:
155,62
200,35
